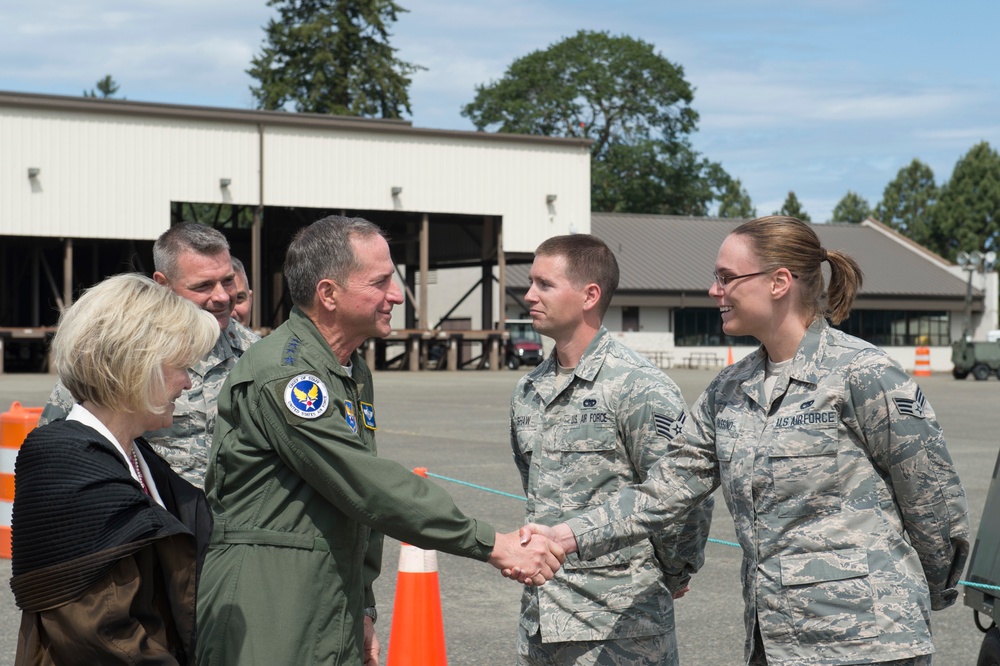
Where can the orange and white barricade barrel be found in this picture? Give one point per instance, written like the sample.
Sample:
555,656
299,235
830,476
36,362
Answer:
922,366
417,634
15,425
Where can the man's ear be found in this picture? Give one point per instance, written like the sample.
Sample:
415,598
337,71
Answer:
781,282
327,293
591,296
160,279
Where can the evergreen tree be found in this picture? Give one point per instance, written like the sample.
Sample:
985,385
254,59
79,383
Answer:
967,215
332,56
908,202
793,208
852,209
107,87
734,201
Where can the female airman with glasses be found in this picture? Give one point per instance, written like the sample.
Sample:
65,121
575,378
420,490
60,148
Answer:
851,517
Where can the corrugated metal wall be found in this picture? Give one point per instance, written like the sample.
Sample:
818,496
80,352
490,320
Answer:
437,175
103,176
108,175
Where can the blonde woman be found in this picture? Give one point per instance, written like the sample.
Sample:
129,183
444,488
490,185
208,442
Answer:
107,539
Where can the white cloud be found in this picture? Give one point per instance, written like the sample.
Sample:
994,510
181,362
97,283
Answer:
816,96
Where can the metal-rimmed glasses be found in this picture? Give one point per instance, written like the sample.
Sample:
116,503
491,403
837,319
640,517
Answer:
723,280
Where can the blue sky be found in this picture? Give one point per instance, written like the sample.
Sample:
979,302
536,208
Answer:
815,96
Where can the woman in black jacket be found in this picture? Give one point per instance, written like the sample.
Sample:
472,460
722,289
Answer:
106,539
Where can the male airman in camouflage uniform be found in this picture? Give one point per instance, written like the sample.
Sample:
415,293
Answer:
193,261
587,422
243,303
852,519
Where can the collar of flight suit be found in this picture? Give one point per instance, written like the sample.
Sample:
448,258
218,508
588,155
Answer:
303,328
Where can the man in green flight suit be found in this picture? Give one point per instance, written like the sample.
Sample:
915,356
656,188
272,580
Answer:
299,497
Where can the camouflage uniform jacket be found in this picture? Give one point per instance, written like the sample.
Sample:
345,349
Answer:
575,445
186,442
852,519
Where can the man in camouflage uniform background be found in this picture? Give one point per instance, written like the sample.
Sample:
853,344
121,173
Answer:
852,519
243,302
588,421
194,262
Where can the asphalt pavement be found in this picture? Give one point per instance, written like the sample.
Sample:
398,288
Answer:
455,424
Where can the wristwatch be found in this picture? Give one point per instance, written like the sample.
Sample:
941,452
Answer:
372,612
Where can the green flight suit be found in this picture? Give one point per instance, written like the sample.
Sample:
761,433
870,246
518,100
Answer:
301,502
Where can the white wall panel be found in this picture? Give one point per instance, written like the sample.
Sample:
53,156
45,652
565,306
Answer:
110,175
437,175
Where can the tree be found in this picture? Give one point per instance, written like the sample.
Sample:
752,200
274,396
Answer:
967,215
908,202
107,87
734,201
852,209
793,208
332,56
631,101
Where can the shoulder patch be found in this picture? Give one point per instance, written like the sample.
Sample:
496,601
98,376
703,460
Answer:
912,406
350,416
668,427
307,396
368,415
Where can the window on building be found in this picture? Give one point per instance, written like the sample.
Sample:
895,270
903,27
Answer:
899,328
630,319
893,328
695,327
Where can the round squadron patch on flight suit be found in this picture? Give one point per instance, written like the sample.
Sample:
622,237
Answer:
307,396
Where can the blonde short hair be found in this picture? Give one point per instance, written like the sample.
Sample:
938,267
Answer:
113,342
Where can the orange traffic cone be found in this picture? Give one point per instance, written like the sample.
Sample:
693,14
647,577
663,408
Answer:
14,427
729,359
417,634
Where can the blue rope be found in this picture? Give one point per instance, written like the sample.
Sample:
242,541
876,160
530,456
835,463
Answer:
984,586
472,485
518,497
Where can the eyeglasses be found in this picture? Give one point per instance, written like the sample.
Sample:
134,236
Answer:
723,280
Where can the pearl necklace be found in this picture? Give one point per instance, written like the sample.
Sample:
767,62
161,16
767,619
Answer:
138,469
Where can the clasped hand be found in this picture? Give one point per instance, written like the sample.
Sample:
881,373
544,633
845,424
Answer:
535,558
559,536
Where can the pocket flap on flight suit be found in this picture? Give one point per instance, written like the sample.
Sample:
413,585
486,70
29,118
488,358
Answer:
809,568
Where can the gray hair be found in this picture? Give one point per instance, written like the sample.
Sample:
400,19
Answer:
238,267
323,250
186,237
112,343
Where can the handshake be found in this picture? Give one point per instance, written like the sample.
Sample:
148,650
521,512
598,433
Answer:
533,554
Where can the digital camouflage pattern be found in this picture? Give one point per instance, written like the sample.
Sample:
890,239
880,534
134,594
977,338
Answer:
655,650
852,519
186,442
576,440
